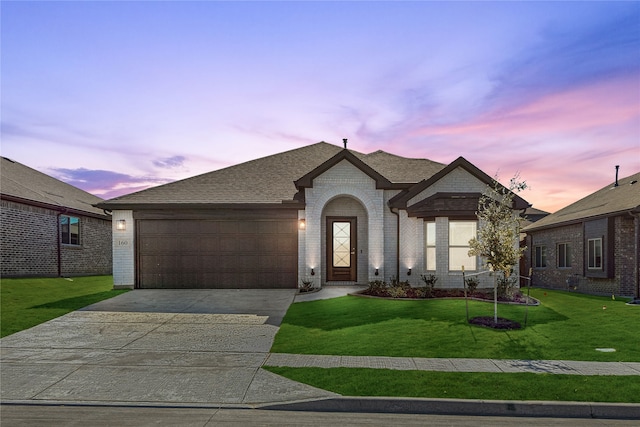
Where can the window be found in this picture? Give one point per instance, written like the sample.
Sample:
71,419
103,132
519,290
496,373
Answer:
460,232
70,230
541,256
564,255
430,235
595,254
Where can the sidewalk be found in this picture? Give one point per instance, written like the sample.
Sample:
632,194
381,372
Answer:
566,367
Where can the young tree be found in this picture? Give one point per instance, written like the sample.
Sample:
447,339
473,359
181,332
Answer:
498,231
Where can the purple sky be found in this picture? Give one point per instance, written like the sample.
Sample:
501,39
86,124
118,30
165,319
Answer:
114,97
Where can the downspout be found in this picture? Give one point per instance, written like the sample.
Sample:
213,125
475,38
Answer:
397,214
59,241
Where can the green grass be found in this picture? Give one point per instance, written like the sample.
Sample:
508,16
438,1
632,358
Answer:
25,303
566,326
490,386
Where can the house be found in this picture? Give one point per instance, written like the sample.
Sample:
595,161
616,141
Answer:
592,245
50,228
321,214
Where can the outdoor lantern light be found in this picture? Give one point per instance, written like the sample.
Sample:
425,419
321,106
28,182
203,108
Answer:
121,224
302,224
313,273
376,273
409,272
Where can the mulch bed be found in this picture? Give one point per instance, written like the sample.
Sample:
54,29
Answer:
485,295
488,322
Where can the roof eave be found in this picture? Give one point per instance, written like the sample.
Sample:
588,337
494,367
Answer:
539,227
59,208
285,204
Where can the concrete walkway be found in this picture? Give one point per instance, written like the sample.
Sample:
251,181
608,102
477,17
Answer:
566,367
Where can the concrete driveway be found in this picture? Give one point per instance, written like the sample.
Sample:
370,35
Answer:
178,347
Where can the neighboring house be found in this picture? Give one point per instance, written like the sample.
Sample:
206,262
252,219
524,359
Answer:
320,213
529,216
50,228
592,245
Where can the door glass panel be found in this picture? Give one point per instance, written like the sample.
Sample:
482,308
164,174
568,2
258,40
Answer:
341,244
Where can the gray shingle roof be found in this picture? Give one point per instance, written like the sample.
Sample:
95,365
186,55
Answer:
270,180
607,201
23,183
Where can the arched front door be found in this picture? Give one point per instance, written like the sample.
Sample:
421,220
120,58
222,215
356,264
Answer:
342,251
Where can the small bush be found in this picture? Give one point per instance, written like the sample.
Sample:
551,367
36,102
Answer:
472,284
429,284
506,286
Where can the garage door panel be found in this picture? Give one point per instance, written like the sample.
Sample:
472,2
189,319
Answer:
217,253
229,227
285,245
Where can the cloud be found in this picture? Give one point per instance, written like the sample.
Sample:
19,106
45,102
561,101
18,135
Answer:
104,183
170,162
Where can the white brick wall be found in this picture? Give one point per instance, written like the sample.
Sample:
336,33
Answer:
413,247
344,179
123,250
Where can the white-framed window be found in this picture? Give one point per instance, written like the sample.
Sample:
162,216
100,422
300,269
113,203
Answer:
69,230
540,260
460,232
564,255
594,249
430,245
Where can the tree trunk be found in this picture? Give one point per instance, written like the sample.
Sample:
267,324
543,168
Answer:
495,298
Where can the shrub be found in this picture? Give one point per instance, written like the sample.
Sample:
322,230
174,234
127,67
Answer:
506,286
472,284
429,284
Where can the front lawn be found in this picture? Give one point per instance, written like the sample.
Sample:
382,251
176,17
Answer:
566,326
467,385
28,302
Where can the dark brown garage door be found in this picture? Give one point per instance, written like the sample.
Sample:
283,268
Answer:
217,253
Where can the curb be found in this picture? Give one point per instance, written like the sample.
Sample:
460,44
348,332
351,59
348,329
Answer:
623,411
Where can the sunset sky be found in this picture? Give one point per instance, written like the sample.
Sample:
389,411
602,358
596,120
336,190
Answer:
114,97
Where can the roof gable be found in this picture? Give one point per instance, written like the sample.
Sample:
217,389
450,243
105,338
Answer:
401,200
307,180
23,184
608,201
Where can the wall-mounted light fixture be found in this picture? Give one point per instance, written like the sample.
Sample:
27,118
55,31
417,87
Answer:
302,224
409,272
313,273
377,272
121,224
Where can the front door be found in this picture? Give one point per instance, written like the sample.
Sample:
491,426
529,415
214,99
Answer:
341,249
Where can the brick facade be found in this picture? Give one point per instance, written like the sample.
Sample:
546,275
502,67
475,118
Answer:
574,278
345,190
30,244
344,180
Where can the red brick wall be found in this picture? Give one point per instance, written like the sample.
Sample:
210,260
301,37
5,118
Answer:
624,248
29,243
623,281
